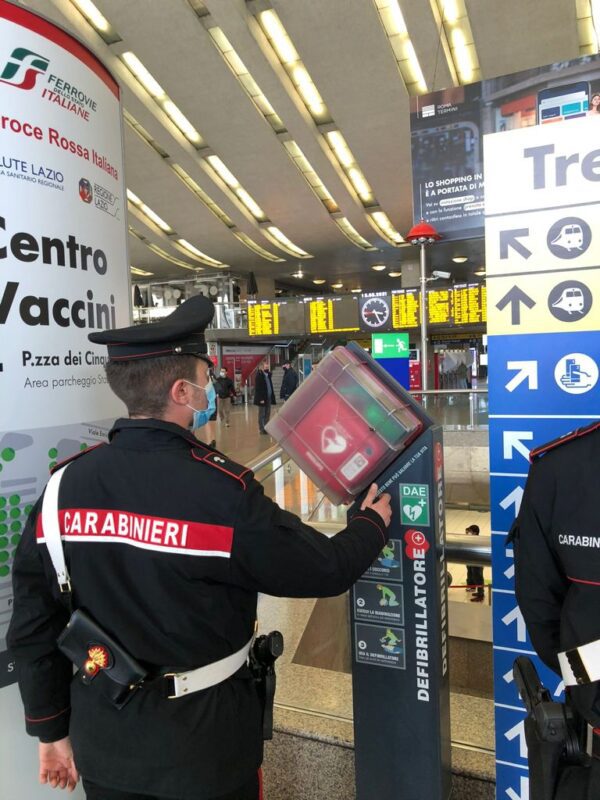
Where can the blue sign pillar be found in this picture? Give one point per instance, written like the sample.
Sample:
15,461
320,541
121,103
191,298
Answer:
543,280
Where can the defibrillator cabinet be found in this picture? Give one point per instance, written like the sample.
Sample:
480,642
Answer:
349,424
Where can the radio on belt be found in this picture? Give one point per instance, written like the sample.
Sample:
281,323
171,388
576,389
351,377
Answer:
346,422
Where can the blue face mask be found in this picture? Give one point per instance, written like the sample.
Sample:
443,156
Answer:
202,417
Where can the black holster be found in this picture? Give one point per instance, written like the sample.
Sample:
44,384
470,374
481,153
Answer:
101,661
263,654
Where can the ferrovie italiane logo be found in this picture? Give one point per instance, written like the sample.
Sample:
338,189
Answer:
23,67
22,70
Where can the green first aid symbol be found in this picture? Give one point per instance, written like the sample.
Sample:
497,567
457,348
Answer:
414,504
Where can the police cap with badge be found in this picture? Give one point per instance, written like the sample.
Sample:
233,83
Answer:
181,333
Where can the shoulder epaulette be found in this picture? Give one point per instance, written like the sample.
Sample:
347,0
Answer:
68,460
566,437
217,460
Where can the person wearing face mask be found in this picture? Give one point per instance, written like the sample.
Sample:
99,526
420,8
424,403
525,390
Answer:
166,544
225,391
264,396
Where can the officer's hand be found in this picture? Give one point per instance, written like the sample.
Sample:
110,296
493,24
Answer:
379,504
57,766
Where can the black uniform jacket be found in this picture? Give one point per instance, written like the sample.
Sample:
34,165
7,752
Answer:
263,389
289,384
224,387
167,543
556,540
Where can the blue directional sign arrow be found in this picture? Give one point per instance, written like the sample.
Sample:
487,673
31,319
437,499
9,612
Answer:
511,239
515,297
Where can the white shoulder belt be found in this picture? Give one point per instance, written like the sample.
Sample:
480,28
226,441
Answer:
183,683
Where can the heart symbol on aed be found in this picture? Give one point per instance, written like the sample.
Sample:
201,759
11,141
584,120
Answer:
331,441
412,512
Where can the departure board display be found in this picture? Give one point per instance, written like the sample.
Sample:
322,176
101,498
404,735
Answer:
469,303
405,309
331,314
275,317
439,306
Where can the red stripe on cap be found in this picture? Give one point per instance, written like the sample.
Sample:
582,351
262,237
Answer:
140,530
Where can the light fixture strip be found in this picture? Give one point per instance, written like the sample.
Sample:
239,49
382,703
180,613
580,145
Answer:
587,13
382,224
352,234
140,272
245,79
97,20
256,248
311,177
160,97
278,238
290,60
456,28
147,212
192,250
395,28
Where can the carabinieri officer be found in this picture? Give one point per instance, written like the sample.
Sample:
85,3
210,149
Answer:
166,543
556,540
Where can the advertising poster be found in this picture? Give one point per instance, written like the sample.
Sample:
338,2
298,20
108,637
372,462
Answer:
63,264
448,126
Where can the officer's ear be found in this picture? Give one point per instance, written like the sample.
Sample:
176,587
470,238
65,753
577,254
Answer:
180,392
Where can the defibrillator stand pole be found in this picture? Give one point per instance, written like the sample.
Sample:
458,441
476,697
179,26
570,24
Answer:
399,621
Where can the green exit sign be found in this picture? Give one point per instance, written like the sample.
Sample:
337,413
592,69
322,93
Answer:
389,345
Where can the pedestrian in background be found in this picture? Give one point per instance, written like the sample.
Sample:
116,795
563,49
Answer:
264,396
289,384
225,391
474,573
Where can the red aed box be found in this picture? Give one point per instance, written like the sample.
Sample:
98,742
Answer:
345,424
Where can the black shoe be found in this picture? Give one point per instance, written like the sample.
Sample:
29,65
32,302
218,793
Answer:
477,599
213,443
264,432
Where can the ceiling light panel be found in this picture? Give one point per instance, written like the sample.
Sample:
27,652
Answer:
246,80
151,215
189,248
352,234
162,253
588,26
232,182
290,60
394,25
141,272
160,97
264,107
383,225
256,248
97,20
460,50
279,239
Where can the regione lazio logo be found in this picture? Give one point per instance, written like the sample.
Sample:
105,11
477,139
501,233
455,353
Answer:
85,190
23,67
414,503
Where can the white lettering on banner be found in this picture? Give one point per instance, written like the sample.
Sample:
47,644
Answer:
150,533
578,541
421,630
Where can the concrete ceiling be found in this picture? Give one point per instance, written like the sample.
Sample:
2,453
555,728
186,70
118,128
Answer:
347,54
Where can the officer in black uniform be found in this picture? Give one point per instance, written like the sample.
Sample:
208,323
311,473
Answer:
167,543
556,540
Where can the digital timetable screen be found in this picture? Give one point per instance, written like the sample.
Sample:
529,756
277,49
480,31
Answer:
405,308
469,303
275,317
439,306
331,314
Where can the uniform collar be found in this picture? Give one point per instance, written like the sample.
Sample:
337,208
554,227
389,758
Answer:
151,425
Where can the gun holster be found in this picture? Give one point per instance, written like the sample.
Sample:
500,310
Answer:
553,732
265,651
101,660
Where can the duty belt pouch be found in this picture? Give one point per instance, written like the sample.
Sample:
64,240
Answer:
100,659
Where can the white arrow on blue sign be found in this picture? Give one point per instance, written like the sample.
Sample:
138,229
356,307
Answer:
518,730
513,441
523,793
514,615
527,371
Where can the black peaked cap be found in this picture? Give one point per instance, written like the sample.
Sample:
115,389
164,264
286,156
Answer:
181,333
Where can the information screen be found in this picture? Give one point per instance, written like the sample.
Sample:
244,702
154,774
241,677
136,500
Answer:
439,309
405,309
263,318
331,314
469,304
275,317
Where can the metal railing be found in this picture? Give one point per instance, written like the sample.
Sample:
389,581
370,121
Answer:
460,549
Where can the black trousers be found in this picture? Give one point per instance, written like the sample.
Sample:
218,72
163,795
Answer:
250,791
264,414
475,578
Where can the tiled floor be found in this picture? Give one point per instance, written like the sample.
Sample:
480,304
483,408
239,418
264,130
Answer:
316,632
